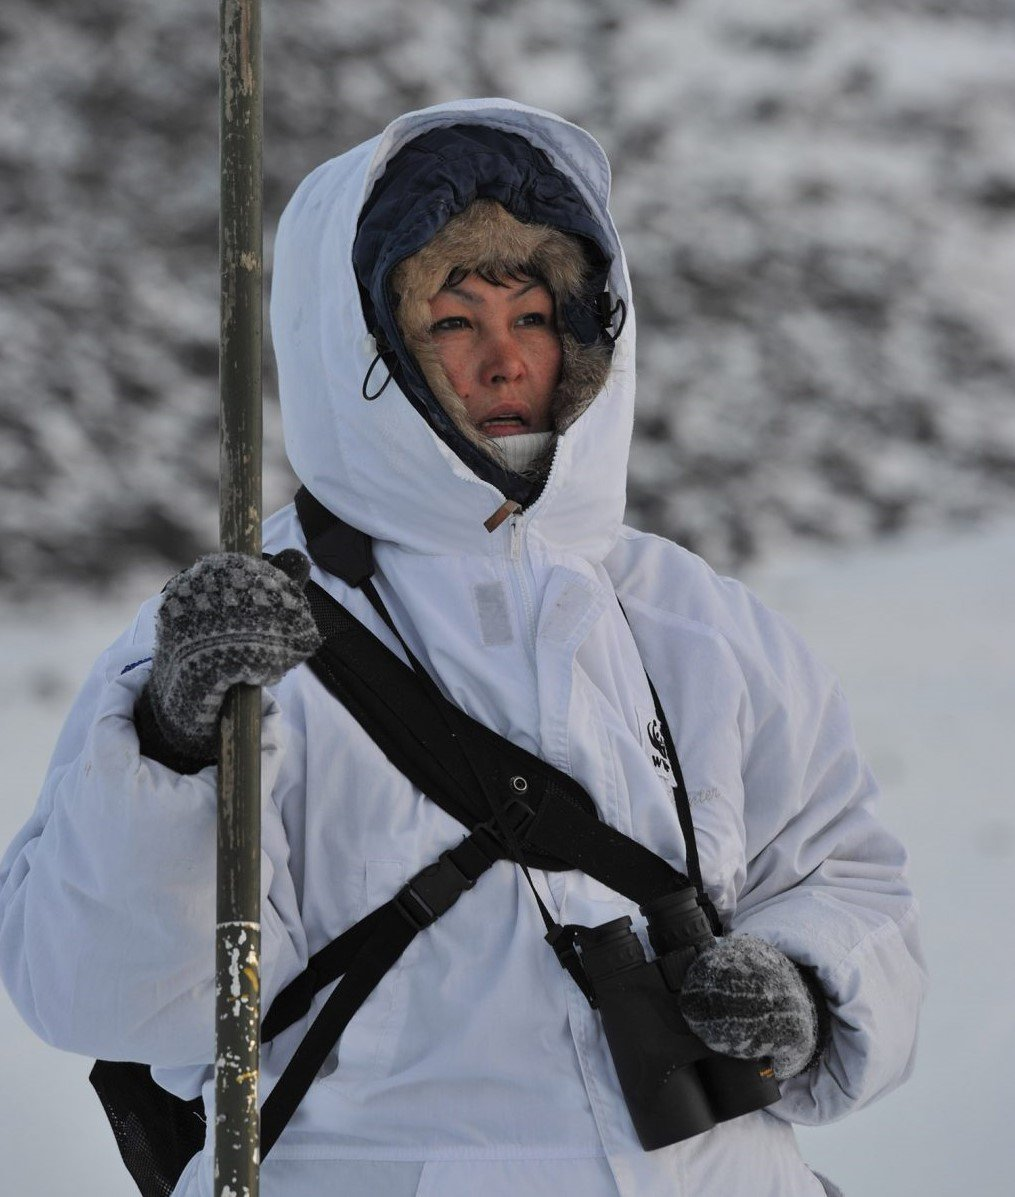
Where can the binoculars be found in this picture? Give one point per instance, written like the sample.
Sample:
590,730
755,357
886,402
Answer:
674,1086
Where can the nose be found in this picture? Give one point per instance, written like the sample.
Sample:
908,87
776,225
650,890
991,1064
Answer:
502,360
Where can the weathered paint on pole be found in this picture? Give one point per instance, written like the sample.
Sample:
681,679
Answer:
238,939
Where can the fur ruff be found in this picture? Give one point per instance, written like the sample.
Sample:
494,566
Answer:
486,239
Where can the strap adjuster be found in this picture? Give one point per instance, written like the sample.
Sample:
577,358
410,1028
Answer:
434,890
413,909
564,941
517,814
714,921
489,837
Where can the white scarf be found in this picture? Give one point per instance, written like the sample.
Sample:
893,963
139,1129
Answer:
522,450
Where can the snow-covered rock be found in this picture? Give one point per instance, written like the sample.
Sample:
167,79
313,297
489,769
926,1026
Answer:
818,198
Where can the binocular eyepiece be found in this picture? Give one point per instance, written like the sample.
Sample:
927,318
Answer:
674,1086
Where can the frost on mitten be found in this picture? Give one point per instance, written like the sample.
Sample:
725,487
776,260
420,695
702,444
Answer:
744,998
230,618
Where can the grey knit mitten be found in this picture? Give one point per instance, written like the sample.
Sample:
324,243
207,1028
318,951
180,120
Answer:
744,998
229,618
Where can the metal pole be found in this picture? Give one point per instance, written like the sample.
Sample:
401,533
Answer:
238,938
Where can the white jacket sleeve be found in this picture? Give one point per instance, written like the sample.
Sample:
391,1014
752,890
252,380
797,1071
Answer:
825,880
107,895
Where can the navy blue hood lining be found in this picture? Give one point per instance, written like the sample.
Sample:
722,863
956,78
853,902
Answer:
425,184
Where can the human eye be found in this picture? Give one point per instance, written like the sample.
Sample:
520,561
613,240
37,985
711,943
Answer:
449,324
533,320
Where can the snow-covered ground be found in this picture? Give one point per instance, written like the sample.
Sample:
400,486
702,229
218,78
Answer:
921,632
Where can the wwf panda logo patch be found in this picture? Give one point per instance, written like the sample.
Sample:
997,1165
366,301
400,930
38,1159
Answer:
656,745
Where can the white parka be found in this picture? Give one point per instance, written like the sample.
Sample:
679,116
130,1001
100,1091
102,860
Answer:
476,1066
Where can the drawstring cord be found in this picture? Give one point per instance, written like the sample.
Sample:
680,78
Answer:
607,313
382,348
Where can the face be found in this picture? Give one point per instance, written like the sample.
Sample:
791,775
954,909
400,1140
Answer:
500,350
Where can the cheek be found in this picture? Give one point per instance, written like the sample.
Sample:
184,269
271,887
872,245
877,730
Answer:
456,366
552,360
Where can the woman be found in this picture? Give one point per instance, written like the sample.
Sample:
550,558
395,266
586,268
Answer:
455,339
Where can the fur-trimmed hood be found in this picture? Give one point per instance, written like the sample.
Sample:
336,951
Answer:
485,239
399,467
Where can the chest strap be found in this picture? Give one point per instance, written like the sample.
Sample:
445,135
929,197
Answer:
362,956
549,815
541,817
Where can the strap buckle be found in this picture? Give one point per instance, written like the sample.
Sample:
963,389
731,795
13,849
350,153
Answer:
435,889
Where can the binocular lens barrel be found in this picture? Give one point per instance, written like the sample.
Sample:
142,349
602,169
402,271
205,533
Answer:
677,921
610,948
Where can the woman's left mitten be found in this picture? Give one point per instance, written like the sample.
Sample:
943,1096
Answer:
744,998
230,618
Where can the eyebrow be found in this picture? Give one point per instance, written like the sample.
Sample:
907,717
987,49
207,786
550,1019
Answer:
476,301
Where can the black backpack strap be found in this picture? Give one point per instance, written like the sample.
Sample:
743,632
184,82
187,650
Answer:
421,901
325,966
440,753
337,547
392,934
362,956
550,816
407,719
444,752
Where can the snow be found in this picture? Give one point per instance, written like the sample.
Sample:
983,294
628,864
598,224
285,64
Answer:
817,199
919,629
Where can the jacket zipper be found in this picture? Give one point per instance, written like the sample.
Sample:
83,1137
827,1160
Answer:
552,887
517,530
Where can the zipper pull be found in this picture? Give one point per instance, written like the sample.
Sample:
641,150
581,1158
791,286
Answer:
516,538
503,512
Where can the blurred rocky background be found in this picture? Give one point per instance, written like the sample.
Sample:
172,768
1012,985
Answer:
817,198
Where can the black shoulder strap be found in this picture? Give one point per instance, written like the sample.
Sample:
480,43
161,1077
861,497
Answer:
370,680
551,817
337,547
401,714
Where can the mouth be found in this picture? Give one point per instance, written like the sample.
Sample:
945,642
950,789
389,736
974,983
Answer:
506,422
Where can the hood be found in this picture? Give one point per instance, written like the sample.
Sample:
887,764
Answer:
395,466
